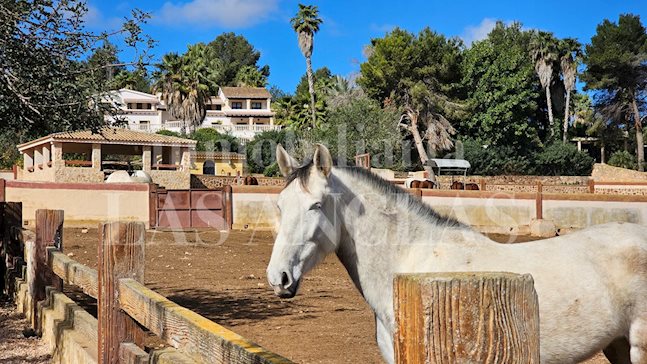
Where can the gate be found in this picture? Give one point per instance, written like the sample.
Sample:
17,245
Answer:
193,208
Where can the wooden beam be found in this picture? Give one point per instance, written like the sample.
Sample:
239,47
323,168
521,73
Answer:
129,353
73,272
200,339
121,255
539,202
444,318
49,232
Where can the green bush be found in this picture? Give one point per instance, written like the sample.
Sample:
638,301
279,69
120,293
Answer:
261,150
210,140
623,159
559,159
272,170
494,160
169,133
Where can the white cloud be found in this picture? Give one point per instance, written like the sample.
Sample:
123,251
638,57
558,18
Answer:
479,32
209,13
96,20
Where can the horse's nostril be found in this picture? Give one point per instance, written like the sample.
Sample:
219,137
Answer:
285,280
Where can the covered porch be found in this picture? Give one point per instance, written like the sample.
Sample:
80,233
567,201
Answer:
84,156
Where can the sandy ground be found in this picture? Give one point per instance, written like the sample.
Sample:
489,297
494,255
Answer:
223,278
14,347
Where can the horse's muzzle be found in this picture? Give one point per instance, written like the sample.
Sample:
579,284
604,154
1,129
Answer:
288,287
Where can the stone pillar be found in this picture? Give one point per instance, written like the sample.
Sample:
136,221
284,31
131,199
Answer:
271,120
46,156
96,156
186,159
28,159
249,104
269,102
146,159
579,145
251,120
57,155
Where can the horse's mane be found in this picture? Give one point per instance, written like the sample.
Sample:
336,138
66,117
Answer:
383,187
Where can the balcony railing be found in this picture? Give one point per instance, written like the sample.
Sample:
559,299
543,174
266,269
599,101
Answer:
177,126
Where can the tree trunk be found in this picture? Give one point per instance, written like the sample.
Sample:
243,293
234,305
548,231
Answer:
420,147
311,88
566,115
640,144
549,102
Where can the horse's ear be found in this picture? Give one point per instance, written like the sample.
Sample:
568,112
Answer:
286,163
322,159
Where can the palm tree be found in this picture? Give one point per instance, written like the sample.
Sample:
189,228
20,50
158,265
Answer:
186,83
543,49
571,56
306,24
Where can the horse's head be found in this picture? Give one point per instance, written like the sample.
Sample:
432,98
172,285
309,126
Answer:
308,230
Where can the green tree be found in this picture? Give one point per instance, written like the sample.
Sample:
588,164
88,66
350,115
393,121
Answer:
322,78
570,57
616,66
133,80
210,140
544,52
360,126
44,87
306,23
502,90
104,63
559,159
250,76
421,75
261,151
235,52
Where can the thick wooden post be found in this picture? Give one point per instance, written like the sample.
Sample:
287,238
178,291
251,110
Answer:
444,318
12,249
483,184
49,232
591,185
228,206
121,255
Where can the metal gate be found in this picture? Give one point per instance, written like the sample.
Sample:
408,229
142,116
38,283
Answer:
194,208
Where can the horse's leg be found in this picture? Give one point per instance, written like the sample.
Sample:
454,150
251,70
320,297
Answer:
618,351
638,341
384,341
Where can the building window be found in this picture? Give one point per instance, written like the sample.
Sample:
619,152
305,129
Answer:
144,122
237,105
218,107
214,107
256,105
130,106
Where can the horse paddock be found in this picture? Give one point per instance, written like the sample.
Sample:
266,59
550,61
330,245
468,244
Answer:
222,277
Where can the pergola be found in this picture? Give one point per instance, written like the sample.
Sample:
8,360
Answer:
80,156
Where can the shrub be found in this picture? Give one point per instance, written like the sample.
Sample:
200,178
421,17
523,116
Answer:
272,170
559,159
262,149
210,140
494,159
169,133
622,159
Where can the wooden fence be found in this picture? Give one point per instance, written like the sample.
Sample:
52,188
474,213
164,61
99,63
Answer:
127,311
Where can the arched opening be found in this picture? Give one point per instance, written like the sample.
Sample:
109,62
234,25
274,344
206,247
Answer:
209,167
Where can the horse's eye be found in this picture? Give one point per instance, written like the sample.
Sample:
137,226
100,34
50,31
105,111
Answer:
315,206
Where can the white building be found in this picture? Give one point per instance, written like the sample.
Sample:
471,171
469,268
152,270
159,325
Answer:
240,111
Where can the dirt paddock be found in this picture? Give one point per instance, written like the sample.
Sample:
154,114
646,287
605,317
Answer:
222,277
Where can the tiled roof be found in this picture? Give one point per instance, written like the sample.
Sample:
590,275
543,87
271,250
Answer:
246,92
109,135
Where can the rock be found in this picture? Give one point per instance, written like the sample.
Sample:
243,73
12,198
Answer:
70,254
542,228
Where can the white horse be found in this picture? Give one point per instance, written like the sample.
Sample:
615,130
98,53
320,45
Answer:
591,284
124,177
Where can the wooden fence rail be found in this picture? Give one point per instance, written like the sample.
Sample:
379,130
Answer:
126,308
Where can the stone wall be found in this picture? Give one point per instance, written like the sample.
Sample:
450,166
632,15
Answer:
77,175
172,180
605,172
208,181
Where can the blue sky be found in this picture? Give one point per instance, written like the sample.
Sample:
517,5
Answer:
348,25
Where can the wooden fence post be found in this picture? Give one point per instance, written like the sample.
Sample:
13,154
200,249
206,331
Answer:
121,255
152,205
49,232
444,318
12,246
483,184
228,206
539,201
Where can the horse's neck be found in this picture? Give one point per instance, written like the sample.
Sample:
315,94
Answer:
376,231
